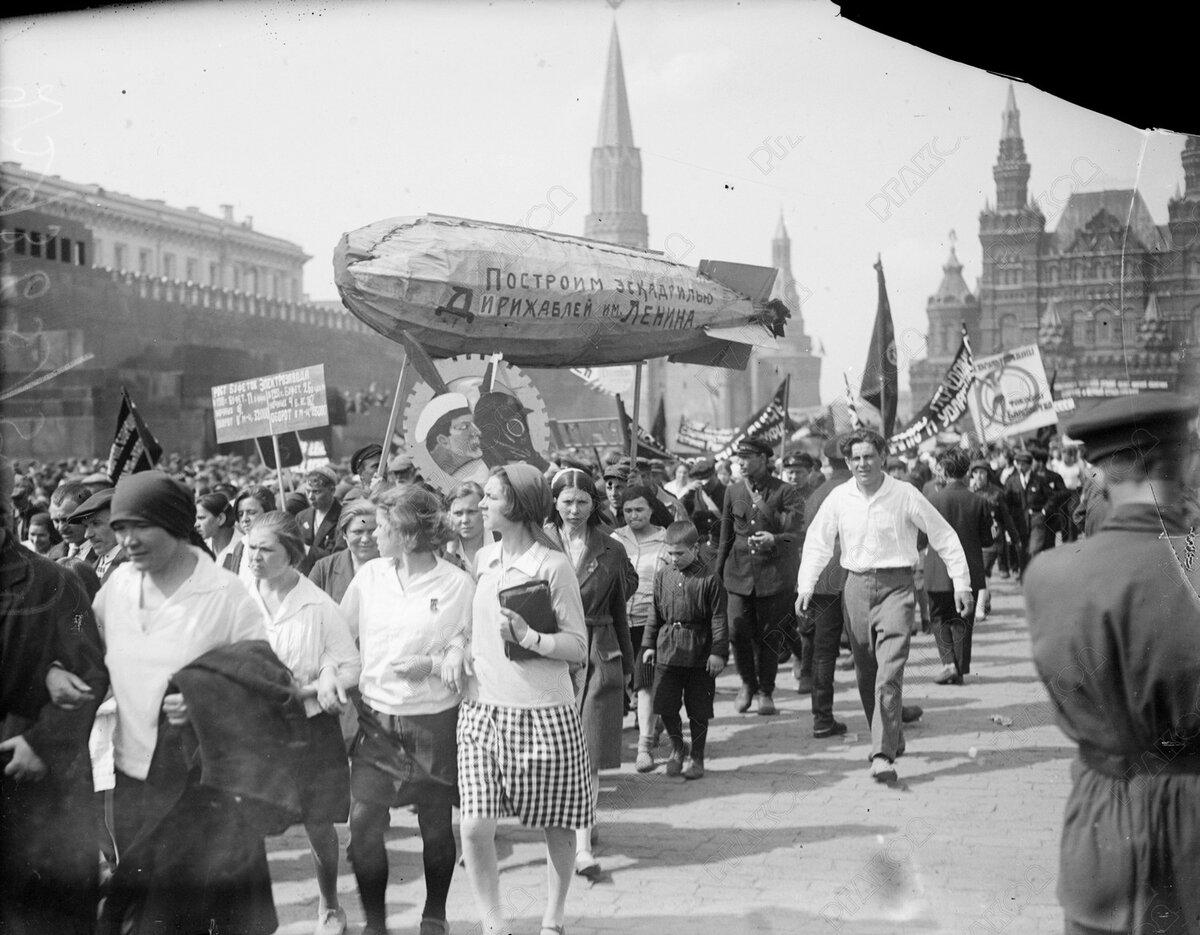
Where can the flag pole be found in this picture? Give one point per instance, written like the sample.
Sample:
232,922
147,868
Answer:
637,406
391,426
787,392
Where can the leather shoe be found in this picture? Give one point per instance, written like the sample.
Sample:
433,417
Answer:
804,685
833,730
910,713
742,704
882,769
766,704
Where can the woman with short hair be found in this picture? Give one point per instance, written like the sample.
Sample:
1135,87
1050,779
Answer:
466,519
251,502
605,576
521,749
309,635
216,522
410,611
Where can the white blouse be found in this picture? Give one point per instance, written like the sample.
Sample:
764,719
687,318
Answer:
143,649
309,632
390,620
646,556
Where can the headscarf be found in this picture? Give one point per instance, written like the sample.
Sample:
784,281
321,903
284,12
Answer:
155,498
531,497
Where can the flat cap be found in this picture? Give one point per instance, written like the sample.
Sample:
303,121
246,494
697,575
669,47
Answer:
702,469
1024,457
617,471
981,465
96,503
363,455
1138,423
754,446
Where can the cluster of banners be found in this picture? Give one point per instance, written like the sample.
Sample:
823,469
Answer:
769,424
699,435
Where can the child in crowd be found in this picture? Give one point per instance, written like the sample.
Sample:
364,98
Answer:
687,639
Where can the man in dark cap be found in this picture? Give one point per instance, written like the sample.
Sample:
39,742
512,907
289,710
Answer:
1113,623
1045,495
365,463
93,513
757,559
704,490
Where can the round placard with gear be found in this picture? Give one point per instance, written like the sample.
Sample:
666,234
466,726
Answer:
488,416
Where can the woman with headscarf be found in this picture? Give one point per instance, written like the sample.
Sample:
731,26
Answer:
521,749
645,544
605,576
356,525
309,635
410,611
190,857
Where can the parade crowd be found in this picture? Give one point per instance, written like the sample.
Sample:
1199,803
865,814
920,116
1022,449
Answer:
194,660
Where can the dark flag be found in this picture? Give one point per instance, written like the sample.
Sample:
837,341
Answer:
134,448
769,423
420,360
948,404
880,384
658,428
647,447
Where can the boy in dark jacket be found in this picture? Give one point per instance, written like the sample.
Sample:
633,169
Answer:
688,641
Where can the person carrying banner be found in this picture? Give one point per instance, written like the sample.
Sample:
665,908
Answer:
757,558
877,519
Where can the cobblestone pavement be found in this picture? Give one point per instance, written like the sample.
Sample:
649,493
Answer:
788,834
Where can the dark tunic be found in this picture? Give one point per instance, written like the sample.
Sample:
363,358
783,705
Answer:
693,598
1115,624
605,576
48,846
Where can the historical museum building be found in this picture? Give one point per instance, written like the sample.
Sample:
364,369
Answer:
1111,298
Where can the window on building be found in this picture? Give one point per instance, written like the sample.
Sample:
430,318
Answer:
144,260
193,266
214,274
1010,332
35,243
252,281
51,248
168,265
119,256
80,253
1053,270
64,249
1081,329
1108,329
19,241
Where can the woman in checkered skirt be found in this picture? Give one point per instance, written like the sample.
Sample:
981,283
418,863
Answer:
521,749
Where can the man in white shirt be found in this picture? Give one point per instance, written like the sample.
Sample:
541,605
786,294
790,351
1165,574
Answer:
877,519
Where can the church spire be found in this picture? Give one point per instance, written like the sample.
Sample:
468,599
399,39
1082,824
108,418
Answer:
1191,168
1012,169
616,214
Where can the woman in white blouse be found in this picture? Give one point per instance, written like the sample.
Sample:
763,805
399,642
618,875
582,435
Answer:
309,634
521,749
216,522
411,612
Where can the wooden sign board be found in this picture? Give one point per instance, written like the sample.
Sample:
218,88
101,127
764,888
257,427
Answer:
270,405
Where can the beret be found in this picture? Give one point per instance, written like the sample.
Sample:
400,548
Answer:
754,446
1138,423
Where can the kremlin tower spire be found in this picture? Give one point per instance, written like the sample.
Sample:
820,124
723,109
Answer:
781,259
1012,169
616,214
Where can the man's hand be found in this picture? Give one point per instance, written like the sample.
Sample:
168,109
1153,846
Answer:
964,602
648,657
413,668
26,765
330,695
67,690
763,541
803,599
715,666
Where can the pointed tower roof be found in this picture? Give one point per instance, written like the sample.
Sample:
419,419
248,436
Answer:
1011,128
1152,313
781,230
616,129
953,288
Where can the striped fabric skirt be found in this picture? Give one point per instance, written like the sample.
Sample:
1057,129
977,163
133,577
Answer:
531,763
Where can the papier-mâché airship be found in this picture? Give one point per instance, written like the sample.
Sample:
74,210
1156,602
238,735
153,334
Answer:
549,300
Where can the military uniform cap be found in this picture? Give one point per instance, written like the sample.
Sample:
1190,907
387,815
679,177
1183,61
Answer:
1139,423
797,460
754,446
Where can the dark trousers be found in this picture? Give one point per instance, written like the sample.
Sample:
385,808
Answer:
952,632
691,687
762,627
1041,536
825,611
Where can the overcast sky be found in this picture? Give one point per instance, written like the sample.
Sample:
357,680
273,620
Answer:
321,118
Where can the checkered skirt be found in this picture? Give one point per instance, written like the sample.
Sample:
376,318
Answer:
531,763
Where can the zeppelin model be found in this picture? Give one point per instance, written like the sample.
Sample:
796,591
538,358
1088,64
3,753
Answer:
549,300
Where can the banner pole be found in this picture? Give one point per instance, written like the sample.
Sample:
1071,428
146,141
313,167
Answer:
278,466
787,392
637,406
393,419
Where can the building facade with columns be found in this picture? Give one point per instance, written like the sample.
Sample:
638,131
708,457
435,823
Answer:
1111,297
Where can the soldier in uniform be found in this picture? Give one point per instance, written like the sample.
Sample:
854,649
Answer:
1115,624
